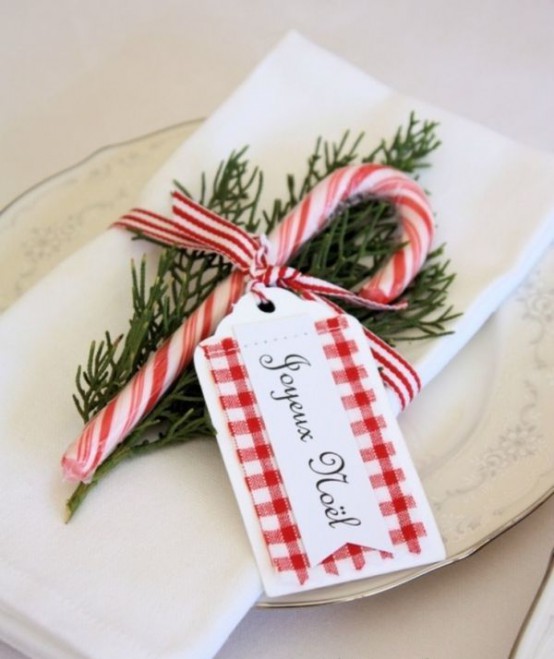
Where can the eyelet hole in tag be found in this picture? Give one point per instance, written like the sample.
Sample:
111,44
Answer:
324,481
267,306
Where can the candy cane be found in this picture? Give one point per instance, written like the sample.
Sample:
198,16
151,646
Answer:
345,186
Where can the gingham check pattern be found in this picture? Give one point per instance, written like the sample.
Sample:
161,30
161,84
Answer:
262,475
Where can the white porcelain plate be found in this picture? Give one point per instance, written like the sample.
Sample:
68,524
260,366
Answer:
484,466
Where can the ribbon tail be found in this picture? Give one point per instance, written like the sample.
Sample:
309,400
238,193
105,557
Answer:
321,288
396,372
398,375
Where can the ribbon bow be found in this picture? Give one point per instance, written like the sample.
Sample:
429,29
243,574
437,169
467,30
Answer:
195,227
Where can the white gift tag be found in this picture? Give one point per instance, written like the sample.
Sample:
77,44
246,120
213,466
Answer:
324,481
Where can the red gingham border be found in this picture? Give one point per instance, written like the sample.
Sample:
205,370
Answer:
262,475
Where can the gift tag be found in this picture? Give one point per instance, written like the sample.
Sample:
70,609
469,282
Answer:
322,475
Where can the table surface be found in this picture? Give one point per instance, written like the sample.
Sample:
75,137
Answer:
78,75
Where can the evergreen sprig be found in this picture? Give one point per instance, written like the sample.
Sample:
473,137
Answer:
347,252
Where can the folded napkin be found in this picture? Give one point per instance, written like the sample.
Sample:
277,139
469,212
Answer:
156,564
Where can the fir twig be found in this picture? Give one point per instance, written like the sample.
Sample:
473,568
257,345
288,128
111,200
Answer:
346,253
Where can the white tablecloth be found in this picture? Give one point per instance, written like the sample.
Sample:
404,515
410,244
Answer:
80,75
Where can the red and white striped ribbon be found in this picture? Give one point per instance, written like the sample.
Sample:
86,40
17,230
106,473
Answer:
195,227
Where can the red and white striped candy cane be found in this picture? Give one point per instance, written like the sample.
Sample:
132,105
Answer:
348,185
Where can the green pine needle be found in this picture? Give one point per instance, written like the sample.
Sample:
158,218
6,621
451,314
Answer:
347,252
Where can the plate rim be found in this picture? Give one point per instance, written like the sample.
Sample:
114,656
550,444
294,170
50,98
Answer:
111,146
265,602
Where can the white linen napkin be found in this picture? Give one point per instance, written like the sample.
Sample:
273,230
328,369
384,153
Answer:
156,564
